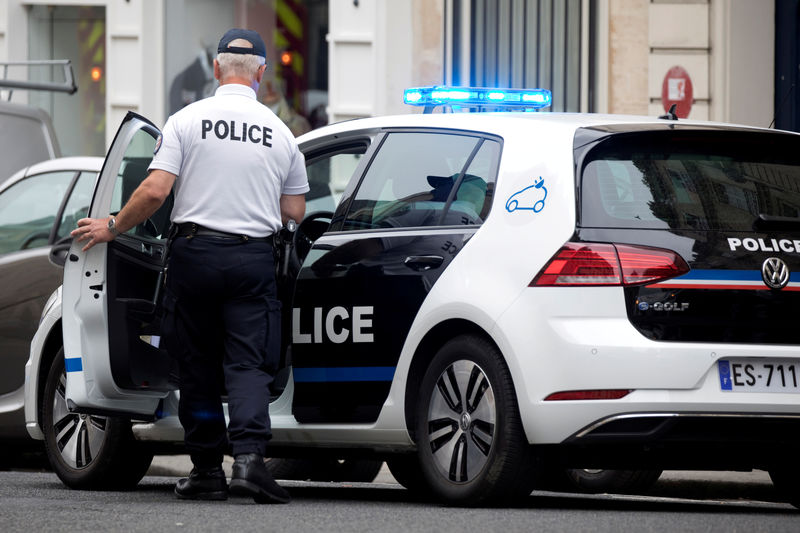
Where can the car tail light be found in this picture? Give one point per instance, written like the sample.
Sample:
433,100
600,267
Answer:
588,264
612,394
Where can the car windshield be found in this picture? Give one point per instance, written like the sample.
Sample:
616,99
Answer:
691,180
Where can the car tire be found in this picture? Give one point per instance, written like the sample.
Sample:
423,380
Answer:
612,481
354,470
471,443
88,452
784,479
289,469
407,471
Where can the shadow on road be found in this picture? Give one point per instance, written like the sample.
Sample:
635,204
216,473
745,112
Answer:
666,496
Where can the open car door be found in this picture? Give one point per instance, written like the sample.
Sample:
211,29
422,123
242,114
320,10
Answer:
111,293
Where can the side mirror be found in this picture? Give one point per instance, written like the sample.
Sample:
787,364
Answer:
59,251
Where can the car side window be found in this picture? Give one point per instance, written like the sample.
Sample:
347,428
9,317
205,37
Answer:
416,178
328,176
28,210
473,198
132,172
77,206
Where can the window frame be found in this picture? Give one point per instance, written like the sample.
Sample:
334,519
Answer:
65,201
350,193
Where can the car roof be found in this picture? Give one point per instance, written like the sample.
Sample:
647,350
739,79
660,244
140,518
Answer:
498,123
83,163
12,108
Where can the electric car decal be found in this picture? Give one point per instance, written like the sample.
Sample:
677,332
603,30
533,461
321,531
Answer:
524,201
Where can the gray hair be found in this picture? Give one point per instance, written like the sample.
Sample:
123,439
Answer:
240,65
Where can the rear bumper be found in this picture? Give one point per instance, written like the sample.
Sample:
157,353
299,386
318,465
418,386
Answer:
706,441
691,427
560,340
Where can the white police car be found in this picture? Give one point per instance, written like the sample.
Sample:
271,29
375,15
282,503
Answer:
490,294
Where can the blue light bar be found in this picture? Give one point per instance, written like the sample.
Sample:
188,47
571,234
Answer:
478,97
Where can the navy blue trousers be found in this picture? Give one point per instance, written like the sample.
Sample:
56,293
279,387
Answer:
222,323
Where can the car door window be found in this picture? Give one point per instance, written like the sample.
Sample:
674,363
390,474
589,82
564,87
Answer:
473,198
77,206
327,178
132,172
28,210
416,177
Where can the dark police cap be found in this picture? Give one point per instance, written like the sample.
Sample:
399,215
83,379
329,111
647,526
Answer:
251,36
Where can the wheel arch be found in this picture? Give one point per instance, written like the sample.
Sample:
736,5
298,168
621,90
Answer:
426,349
54,342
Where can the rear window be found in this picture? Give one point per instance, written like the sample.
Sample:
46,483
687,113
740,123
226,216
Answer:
690,180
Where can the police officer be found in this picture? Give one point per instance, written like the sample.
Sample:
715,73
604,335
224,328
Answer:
237,175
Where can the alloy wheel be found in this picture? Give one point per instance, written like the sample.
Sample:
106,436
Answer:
79,437
461,421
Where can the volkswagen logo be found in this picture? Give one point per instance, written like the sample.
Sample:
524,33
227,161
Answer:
775,273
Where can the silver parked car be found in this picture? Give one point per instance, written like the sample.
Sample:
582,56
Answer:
39,206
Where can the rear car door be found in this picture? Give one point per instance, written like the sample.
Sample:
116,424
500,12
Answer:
110,317
411,207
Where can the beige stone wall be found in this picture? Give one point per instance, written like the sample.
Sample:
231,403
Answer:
428,45
628,56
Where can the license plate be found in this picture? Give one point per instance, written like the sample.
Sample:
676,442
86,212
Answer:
759,375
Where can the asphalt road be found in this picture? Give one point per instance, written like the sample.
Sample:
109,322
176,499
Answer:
37,501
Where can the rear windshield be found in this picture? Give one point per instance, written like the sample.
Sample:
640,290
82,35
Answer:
690,180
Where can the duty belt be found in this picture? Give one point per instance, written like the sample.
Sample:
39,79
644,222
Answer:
190,229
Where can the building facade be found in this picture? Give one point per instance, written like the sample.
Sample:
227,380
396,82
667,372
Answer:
723,60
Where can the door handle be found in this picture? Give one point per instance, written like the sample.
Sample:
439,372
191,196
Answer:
147,249
421,263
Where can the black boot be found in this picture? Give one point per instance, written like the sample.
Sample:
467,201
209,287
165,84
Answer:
251,478
203,484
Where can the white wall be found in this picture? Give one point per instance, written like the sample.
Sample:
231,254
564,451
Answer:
135,61
3,28
134,53
743,62
14,41
379,48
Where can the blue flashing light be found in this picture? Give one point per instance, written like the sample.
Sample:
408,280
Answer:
538,98
451,95
478,97
413,96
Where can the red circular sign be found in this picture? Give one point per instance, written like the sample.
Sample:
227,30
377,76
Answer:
677,89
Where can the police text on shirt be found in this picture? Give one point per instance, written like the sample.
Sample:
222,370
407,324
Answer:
231,131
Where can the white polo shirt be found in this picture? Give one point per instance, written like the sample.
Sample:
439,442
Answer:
234,159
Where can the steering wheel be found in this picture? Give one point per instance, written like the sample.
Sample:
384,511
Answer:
147,228
308,231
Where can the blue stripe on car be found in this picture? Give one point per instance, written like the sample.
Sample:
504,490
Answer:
729,275
343,374
73,364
